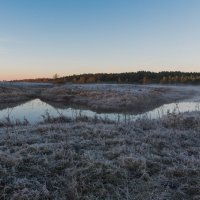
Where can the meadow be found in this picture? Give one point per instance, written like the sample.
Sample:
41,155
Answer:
93,158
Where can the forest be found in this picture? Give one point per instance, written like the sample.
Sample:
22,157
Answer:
140,77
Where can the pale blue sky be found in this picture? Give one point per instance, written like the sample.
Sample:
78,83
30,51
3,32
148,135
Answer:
41,37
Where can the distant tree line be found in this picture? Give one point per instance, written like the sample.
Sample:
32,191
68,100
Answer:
42,80
140,77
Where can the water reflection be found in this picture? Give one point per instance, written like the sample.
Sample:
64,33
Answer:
35,109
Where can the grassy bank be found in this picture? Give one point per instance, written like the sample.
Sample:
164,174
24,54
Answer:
98,97
117,97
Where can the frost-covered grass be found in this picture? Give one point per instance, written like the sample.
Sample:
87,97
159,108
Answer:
117,97
19,92
94,159
24,84
98,97
12,95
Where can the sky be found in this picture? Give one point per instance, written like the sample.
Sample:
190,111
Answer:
39,38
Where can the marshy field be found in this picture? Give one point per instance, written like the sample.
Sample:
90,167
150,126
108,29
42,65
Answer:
99,141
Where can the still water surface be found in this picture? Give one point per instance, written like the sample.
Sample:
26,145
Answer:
34,110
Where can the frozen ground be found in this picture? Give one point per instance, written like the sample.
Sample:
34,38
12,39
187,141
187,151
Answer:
12,95
94,159
118,98
15,93
25,84
88,158
99,97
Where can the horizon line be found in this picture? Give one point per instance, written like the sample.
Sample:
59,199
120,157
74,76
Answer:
59,76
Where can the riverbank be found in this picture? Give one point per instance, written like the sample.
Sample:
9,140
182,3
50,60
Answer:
118,98
100,97
13,94
96,159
